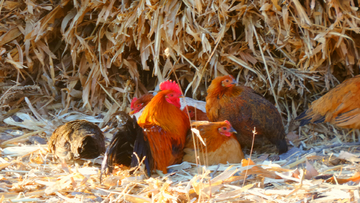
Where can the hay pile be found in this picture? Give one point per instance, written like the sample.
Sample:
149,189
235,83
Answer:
65,59
75,51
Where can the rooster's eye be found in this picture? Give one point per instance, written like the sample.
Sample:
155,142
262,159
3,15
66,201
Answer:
138,105
171,95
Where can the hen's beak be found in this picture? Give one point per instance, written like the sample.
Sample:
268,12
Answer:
132,112
232,130
234,82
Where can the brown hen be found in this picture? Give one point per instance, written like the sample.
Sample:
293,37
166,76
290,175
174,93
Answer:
245,109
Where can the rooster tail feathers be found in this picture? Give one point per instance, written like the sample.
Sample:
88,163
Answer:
109,157
141,149
129,139
120,149
107,163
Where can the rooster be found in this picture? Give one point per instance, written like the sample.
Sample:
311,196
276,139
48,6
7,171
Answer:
164,127
138,104
77,139
245,109
195,113
340,106
221,144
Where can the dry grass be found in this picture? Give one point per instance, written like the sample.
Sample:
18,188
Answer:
75,51
62,60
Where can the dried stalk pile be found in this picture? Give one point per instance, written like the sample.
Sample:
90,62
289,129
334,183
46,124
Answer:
78,50
62,60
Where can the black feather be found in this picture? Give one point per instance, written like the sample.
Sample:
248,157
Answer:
282,146
304,121
320,120
128,139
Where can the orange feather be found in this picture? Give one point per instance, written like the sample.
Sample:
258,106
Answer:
165,127
340,106
221,144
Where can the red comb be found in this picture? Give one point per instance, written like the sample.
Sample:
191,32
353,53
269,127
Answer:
170,85
230,76
133,102
227,122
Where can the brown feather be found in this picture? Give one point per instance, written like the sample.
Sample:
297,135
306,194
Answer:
195,113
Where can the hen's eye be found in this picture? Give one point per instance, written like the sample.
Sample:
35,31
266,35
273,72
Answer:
226,80
224,128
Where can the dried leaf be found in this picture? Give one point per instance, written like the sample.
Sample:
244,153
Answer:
310,171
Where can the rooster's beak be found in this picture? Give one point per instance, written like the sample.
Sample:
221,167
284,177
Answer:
232,130
132,112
